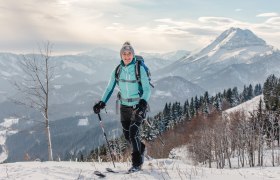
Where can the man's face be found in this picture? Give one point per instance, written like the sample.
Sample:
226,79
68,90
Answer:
127,57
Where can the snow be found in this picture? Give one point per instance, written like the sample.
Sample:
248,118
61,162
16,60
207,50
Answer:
4,132
2,139
8,122
229,54
162,93
247,107
181,153
58,86
233,46
5,74
153,169
83,122
265,172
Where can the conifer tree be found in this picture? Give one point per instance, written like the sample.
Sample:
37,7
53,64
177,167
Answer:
250,92
192,108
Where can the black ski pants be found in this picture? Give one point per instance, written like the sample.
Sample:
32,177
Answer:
131,126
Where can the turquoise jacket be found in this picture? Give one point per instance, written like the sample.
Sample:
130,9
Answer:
129,90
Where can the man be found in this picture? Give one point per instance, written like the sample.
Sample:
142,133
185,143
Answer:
133,98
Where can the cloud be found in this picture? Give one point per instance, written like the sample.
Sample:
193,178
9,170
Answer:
271,14
274,21
238,10
170,21
216,20
201,31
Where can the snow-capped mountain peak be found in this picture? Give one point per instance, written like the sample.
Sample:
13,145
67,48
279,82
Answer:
233,46
224,61
234,38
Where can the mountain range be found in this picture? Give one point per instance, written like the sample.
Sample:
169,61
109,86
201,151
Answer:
236,58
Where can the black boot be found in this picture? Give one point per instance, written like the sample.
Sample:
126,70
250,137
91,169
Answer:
134,169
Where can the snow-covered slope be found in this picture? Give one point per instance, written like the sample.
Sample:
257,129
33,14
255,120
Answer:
234,42
233,46
169,56
5,131
247,107
155,169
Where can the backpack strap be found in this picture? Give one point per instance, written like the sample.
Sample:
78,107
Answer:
137,69
139,61
117,76
117,73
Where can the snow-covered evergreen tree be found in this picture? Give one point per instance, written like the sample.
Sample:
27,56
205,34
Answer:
235,97
218,102
244,95
250,92
257,90
229,97
186,110
149,130
196,104
206,97
271,93
192,108
205,108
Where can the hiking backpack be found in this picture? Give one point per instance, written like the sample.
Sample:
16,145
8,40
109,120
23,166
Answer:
139,62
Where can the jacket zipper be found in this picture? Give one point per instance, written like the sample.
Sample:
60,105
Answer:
126,83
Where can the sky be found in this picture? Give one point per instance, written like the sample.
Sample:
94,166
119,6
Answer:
75,26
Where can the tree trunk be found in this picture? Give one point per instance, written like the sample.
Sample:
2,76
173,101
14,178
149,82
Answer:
48,137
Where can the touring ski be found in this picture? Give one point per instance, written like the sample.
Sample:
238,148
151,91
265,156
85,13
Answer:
100,174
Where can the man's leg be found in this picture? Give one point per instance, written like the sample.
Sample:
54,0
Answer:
137,145
126,114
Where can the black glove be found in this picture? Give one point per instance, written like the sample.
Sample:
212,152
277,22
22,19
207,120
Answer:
141,108
98,106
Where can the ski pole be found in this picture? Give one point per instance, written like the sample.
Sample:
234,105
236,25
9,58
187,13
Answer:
148,123
101,125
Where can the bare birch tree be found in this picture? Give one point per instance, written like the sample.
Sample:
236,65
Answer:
35,88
